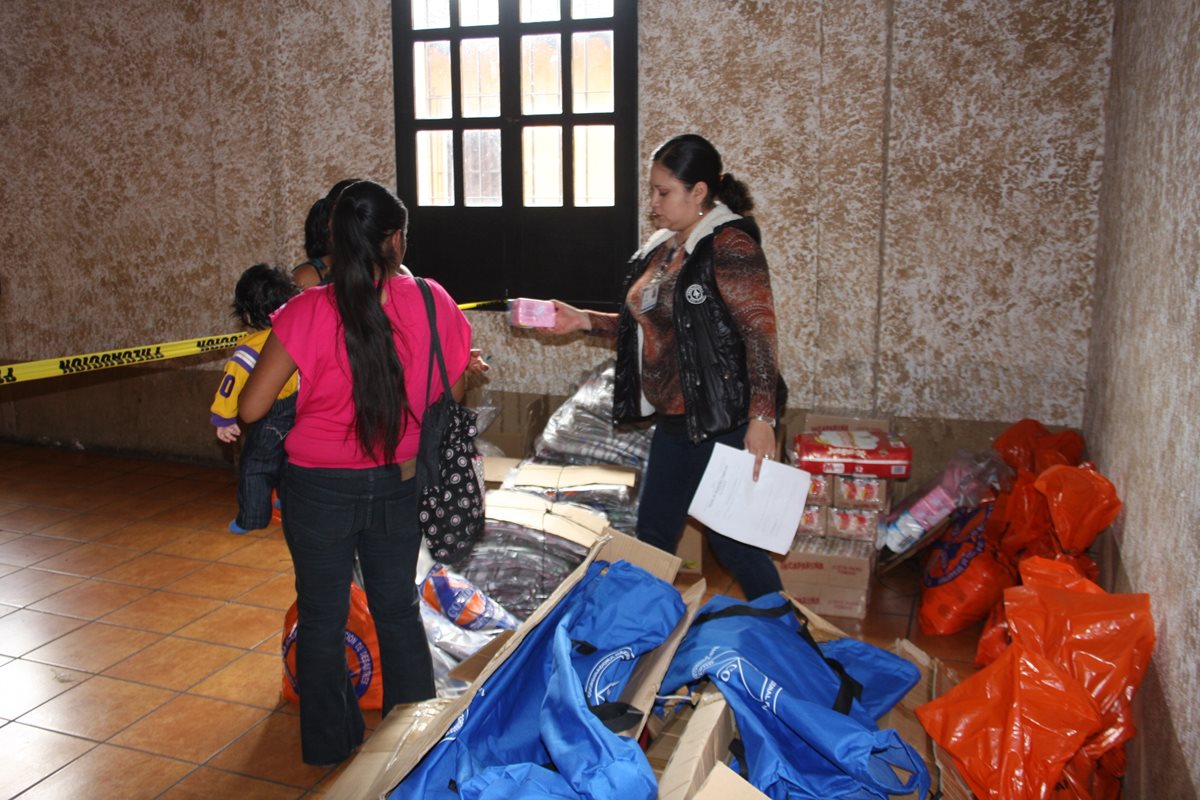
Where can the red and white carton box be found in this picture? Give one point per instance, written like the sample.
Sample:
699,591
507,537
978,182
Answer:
853,452
528,313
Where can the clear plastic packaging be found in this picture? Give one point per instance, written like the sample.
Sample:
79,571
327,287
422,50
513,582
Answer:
520,567
462,602
966,482
581,430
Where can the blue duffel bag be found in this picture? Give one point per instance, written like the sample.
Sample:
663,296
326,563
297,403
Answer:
805,712
542,725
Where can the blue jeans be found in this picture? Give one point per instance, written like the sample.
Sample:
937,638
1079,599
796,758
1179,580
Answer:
260,466
329,515
672,475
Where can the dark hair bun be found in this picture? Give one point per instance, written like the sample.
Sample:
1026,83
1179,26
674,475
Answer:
735,194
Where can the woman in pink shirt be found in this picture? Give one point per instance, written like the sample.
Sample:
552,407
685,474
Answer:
361,345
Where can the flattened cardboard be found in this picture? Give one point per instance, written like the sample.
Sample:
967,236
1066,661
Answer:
497,468
723,783
702,744
645,683
554,476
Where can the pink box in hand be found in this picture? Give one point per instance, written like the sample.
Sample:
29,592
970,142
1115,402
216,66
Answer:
527,313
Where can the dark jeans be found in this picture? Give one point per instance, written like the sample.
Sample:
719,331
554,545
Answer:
260,466
328,516
672,475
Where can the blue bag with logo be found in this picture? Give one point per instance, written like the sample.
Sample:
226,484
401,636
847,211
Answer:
542,724
805,712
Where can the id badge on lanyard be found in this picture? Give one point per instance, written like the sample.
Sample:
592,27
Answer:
649,297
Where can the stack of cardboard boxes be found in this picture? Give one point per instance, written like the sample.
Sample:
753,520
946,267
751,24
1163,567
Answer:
853,461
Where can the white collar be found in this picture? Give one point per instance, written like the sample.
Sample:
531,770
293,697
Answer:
719,215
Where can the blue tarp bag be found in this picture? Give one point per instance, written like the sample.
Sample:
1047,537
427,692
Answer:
537,727
806,716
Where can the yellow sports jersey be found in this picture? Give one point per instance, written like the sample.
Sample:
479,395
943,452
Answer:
237,370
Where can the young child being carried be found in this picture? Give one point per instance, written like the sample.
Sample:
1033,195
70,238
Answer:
260,291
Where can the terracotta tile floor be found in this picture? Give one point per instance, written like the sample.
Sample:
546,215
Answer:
139,638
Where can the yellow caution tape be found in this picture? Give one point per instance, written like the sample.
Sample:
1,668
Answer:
71,365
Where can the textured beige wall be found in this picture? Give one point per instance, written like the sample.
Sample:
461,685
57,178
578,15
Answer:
1144,383
926,178
154,149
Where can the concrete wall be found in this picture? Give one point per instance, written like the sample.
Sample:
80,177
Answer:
1143,386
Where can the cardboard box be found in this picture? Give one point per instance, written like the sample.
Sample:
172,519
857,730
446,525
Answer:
829,575
696,754
835,562
845,422
406,735
695,763
691,548
520,419
557,479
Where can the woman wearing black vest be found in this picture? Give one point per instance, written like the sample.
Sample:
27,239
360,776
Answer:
695,345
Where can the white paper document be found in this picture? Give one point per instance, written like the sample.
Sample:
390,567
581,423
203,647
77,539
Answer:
764,513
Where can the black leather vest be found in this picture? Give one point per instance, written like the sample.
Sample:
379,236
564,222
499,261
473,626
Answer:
712,355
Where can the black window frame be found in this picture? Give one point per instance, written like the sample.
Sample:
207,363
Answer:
577,254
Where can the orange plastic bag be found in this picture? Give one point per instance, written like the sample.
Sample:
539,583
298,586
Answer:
1077,572
1102,640
1081,503
994,638
1030,446
1062,572
1026,517
1057,448
362,653
964,576
1017,444
1011,727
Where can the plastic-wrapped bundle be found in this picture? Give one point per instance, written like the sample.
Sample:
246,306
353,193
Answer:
581,430
448,645
968,480
519,567
463,602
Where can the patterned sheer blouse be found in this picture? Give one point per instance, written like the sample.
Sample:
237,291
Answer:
745,286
